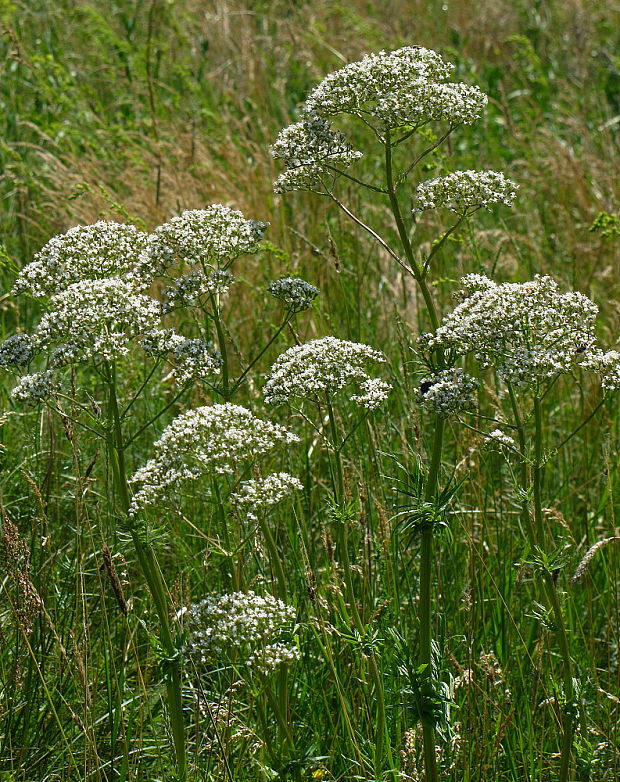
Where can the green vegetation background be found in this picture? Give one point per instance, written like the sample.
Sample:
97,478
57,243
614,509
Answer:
138,110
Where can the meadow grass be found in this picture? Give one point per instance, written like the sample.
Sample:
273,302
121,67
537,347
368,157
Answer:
137,111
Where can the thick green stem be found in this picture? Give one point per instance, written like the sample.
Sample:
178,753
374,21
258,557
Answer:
154,579
425,603
426,553
554,601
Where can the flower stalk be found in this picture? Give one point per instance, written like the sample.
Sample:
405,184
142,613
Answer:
155,582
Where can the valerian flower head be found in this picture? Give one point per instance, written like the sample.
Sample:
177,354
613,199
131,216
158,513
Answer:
16,351
188,288
462,191
310,150
448,392
373,78
257,629
295,293
324,367
605,364
263,492
500,441
192,359
36,387
85,252
529,332
95,318
457,104
202,238
212,438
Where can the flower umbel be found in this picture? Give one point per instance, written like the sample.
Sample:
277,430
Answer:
257,628
448,392
86,252
295,293
203,238
375,77
463,191
263,492
213,439
529,331
95,318
325,366
310,150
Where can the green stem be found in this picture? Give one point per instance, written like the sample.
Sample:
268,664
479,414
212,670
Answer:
425,603
404,237
153,576
221,341
553,598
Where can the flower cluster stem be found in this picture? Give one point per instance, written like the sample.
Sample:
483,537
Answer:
426,552
155,582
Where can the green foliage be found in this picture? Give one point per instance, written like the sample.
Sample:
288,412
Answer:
136,110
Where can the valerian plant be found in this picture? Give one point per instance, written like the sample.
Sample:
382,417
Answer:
531,335
409,107
94,287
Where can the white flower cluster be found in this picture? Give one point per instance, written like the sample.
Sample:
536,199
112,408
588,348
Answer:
325,366
454,103
214,236
86,252
528,332
95,318
308,148
464,190
189,287
500,440
256,628
375,77
192,359
36,387
16,351
448,392
399,89
263,492
604,364
214,438
296,293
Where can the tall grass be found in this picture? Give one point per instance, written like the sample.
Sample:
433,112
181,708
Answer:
136,111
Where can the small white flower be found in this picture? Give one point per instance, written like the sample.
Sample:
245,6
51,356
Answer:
257,629
448,392
325,366
211,439
86,252
308,148
296,293
501,440
465,190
